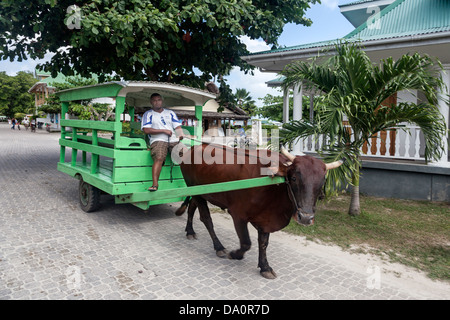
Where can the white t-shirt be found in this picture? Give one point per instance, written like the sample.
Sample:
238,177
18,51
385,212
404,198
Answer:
166,120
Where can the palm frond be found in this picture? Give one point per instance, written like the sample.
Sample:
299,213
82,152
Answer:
294,130
313,75
341,177
352,86
409,72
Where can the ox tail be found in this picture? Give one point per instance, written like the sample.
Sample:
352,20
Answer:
183,207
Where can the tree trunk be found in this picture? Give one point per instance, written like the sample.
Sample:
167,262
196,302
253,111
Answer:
355,208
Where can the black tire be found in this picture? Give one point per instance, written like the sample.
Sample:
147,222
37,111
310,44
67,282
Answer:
89,197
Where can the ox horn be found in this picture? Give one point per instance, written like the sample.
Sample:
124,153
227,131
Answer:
288,155
333,165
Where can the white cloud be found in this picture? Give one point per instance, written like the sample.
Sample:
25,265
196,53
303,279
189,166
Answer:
255,84
254,45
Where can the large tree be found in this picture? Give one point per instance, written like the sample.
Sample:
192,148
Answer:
141,39
355,87
14,96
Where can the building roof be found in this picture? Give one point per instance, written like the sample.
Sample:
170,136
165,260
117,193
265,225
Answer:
275,82
319,44
405,18
402,18
46,77
358,12
403,27
357,2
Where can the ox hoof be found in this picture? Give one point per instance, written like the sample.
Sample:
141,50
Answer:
191,236
270,274
222,253
235,255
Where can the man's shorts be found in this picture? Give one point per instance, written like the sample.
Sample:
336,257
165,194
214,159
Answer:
159,149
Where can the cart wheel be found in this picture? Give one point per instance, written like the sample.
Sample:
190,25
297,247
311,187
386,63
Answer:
89,196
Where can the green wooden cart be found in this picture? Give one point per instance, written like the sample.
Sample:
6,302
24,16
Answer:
120,164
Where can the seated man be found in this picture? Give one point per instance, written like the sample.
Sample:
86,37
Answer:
160,124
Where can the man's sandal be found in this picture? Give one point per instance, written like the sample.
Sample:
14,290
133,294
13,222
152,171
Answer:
153,188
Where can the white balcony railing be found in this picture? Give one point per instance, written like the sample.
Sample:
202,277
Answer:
394,143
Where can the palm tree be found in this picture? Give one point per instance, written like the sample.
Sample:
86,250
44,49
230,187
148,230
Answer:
352,86
245,101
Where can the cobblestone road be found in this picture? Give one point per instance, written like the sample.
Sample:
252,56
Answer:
51,249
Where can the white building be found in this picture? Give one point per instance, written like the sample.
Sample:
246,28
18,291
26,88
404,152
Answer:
393,165
387,28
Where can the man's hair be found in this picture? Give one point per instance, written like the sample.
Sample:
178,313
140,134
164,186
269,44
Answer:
155,95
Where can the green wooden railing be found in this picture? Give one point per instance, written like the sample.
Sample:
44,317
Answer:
121,166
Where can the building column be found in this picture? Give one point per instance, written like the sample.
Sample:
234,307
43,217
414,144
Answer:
286,106
443,95
35,102
297,115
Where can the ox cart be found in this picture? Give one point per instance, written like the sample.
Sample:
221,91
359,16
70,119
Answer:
105,157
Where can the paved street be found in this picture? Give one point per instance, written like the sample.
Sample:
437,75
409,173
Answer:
51,249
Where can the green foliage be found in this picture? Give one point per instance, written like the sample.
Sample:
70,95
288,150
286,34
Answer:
354,87
273,107
244,101
88,111
14,96
128,132
52,105
82,110
19,116
73,82
143,40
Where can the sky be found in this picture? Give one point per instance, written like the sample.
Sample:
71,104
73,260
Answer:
328,24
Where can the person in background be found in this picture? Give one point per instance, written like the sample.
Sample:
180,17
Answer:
241,131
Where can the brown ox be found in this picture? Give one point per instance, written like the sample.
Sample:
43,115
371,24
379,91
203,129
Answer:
267,208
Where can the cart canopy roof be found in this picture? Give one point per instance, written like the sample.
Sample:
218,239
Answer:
137,93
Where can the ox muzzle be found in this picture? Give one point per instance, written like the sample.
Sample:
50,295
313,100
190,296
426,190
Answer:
300,215
303,218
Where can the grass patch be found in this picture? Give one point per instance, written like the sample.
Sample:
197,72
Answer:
414,233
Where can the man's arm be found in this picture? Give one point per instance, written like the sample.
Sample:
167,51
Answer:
156,131
179,132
